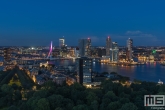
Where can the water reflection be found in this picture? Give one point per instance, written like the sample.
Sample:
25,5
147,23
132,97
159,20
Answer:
148,72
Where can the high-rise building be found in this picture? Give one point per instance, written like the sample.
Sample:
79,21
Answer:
84,70
101,52
85,47
108,46
63,51
114,52
61,42
76,52
129,48
7,54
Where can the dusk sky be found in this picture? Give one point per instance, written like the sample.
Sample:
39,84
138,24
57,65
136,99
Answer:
37,22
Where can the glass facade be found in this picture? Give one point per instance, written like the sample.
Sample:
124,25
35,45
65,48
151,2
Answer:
85,47
114,52
84,70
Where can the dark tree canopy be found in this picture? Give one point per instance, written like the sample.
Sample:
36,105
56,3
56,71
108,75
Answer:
50,96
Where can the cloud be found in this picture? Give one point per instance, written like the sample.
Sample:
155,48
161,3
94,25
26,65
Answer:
139,38
133,32
140,35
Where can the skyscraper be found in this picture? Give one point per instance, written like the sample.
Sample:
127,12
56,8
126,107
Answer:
114,52
108,46
7,54
85,47
84,70
61,42
129,48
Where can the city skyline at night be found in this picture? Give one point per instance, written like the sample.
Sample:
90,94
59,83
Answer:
82,54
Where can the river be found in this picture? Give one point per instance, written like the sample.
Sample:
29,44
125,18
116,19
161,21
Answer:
148,72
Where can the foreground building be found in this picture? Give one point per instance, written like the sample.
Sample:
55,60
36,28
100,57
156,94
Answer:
84,70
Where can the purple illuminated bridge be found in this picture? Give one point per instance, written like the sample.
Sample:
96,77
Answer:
50,51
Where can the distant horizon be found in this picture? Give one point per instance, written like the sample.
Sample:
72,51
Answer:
77,46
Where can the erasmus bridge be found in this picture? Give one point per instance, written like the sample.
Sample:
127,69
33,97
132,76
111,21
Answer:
49,57
50,51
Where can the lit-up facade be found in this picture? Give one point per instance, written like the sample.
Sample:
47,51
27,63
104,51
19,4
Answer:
114,52
61,42
7,54
129,48
50,50
84,70
108,46
85,47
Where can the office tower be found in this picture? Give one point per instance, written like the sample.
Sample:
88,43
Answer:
76,52
108,46
129,48
85,47
61,42
101,52
63,51
7,54
127,54
84,70
114,52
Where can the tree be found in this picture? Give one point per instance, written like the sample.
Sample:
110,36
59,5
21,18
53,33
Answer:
41,93
108,98
111,96
7,89
127,90
77,86
17,95
13,108
91,97
81,107
78,95
139,103
14,86
123,95
129,106
98,93
106,86
43,104
94,105
29,94
64,91
162,88
124,100
161,93
32,102
55,101
114,106
23,106
47,85
58,108
68,104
